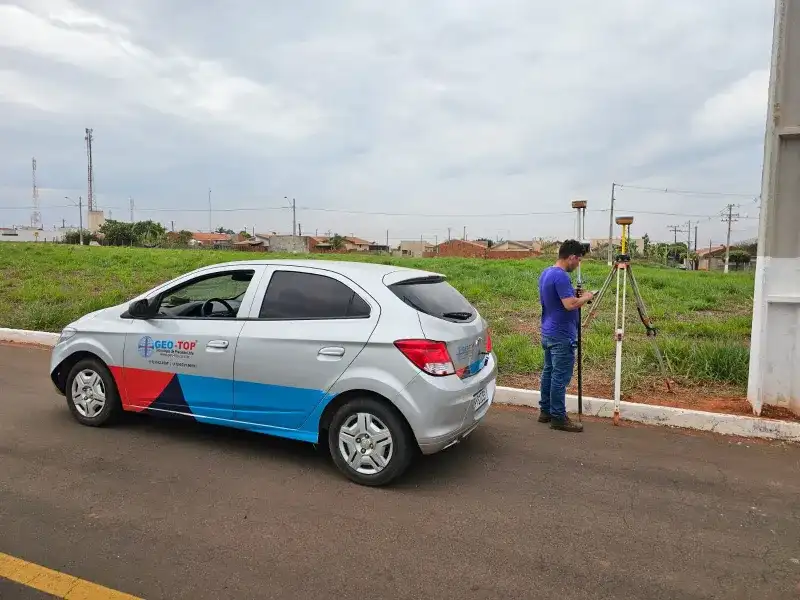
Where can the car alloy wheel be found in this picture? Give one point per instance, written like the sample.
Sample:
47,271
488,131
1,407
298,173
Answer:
366,443
370,441
88,393
92,394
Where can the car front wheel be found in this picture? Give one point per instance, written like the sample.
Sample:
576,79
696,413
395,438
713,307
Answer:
369,442
92,394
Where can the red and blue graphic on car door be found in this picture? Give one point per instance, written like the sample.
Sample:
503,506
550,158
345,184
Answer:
160,373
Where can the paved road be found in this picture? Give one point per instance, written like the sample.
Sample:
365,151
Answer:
165,509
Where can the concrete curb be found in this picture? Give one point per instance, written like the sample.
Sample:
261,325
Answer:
24,336
650,414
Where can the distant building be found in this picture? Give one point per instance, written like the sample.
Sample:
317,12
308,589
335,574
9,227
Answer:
96,219
211,240
711,259
414,248
31,234
356,244
518,246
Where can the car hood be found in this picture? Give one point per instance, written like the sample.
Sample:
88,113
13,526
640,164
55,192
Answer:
93,318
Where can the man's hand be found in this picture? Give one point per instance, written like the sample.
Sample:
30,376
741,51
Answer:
575,303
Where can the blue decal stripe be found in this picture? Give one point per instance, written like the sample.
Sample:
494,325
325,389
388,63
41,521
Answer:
273,405
208,396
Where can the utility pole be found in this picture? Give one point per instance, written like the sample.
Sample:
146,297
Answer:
90,204
36,215
387,238
300,229
675,229
695,239
611,227
293,206
172,226
465,233
448,234
80,218
130,200
688,243
729,218
210,225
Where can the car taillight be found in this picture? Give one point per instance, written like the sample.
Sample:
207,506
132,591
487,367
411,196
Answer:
432,357
488,341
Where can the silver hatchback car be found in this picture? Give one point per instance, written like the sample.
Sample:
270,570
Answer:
380,362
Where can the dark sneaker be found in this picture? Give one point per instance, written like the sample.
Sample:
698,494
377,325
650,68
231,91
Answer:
544,417
566,425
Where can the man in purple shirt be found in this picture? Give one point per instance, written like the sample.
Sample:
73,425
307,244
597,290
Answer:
559,335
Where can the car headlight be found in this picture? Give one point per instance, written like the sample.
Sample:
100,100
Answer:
66,334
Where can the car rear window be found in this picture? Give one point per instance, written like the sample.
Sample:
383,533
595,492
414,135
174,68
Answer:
436,297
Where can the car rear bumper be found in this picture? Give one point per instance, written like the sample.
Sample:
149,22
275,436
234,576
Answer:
447,405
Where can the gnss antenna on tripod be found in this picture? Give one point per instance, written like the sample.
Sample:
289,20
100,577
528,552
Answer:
623,270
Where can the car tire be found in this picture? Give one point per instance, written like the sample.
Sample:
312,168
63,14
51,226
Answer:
378,443
92,394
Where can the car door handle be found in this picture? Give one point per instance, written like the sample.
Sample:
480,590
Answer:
331,351
217,344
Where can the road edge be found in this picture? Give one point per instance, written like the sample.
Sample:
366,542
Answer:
650,414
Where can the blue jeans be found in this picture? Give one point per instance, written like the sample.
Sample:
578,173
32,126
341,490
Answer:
559,361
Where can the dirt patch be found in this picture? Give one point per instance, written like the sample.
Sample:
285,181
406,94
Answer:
695,397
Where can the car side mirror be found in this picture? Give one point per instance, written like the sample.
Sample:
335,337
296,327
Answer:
140,309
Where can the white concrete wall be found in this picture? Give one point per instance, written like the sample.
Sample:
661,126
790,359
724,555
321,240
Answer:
29,235
774,376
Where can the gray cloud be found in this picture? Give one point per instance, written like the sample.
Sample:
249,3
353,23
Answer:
405,107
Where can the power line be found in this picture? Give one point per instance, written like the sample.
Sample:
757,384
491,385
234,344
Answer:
685,192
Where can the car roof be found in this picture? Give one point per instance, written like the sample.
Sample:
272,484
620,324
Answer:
356,270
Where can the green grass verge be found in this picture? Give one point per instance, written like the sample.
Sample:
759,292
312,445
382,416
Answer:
703,318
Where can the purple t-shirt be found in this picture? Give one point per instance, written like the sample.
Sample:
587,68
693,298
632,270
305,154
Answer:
557,321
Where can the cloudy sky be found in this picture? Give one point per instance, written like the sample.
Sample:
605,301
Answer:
414,115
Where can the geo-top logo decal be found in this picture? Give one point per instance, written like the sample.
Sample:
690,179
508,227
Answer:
167,349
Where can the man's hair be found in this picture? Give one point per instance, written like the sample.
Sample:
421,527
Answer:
570,247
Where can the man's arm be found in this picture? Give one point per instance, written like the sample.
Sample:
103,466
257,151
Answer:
567,294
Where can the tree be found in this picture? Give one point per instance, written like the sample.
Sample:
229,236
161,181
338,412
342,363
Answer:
224,230
183,237
739,257
245,235
647,247
149,233
337,241
118,233
74,237
633,248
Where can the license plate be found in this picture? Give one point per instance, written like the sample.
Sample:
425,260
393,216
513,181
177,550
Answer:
480,398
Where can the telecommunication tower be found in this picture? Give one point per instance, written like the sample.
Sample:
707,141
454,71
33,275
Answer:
36,215
90,175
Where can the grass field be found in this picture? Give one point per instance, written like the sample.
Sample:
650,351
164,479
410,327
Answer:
703,318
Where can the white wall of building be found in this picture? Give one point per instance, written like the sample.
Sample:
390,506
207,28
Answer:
774,377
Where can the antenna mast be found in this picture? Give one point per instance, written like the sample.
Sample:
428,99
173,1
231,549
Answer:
90,175
36,215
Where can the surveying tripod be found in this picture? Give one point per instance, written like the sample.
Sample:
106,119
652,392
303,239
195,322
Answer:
623,270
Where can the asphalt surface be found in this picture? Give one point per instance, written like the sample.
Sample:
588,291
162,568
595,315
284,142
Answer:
167,509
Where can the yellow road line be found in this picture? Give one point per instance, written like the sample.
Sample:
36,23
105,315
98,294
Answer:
57,584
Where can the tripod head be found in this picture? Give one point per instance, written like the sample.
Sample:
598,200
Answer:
625,223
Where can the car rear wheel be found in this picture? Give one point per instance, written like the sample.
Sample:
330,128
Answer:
369,442
91,393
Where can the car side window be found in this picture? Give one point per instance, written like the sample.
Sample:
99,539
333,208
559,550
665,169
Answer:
296,295
212,296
